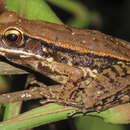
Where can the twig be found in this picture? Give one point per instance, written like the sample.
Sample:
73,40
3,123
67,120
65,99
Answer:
25,95
8,69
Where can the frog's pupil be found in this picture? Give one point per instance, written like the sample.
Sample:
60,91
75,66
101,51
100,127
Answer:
12,37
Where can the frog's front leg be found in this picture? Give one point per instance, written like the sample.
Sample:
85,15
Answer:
69,76
59,72
73,74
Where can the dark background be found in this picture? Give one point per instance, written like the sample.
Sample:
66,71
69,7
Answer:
113,16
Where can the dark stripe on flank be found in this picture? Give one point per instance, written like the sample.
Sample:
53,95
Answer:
113,69
58,48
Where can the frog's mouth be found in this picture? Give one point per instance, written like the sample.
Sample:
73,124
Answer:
31,63
15,54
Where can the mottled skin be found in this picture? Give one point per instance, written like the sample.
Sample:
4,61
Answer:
93,69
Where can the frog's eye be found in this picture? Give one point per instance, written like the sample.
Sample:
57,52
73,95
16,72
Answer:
13,37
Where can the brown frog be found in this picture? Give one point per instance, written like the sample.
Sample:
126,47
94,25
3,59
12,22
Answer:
93,68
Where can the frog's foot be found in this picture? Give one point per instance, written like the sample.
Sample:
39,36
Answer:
72,104
70,115
82,111
46,101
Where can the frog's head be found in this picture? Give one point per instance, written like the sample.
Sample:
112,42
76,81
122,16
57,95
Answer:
15,38
19,41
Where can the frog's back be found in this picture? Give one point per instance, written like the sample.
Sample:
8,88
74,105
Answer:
82,41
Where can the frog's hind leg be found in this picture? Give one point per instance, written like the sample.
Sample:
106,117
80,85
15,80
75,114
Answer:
56,94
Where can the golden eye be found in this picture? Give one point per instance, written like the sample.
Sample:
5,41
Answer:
13,37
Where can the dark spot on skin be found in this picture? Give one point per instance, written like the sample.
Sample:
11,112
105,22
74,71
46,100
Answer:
92,32
100,87
64,60
80,89
44,68
44,54
104,101
117,84
119,101
111,80
76,63
57,38
12,56
97,81
89,62
113,69
102,60
114,101
69,29
112,39
96,40
106,91
106,75
117,95
125,72
91,55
